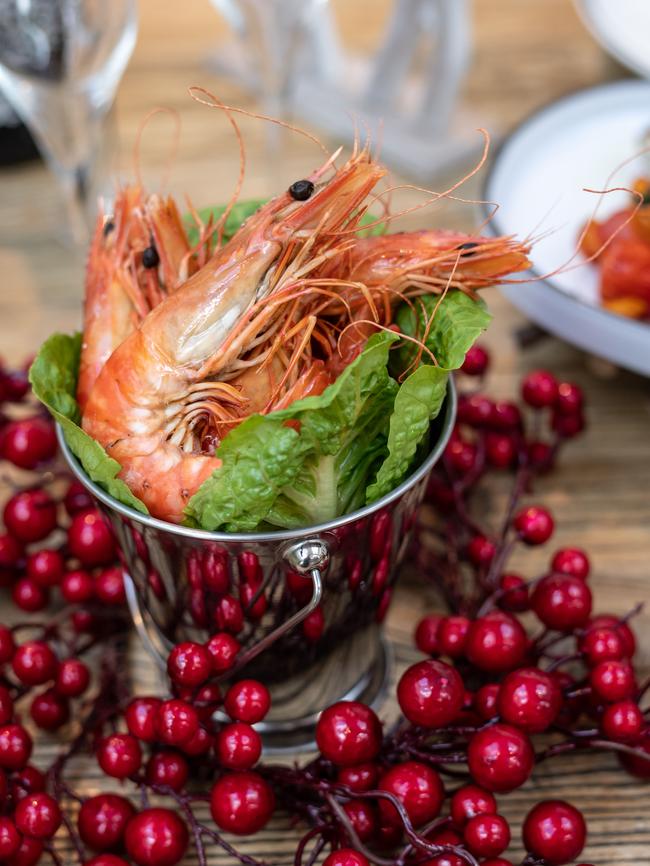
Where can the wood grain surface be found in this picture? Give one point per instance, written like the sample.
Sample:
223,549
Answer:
527,53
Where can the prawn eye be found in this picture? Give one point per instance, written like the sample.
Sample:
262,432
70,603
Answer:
109,225
469,245
150,257
301,190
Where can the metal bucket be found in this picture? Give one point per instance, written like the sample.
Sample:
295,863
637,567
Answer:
341,572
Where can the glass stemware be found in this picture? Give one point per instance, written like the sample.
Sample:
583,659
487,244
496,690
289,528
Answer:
60,64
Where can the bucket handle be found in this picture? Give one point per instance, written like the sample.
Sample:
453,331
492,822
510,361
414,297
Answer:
308,557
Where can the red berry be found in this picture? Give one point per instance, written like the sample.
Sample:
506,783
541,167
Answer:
346,857
223,648
569,399
540,456
119,755
45,567
90,539
480,551
475,410
506,416
638,765
7,645
247,701
539,389
485,701
530,699
313,625
106,860
562,602
554,831
487,835
602,645
620,627
167,768
452,635
417,787
571,560
534,525
470,801
176,722
622,722
360,777
28,854
38,816
461,456
241,803
431,694
49,710
500,450
189,664
253,600
83,621
6,706
72,678
567,426
156,837
496,642
426,635
29,442
102,821
30,515
77,498
11,551
9,838
206,700
77,587
27,780
199,744
476,361
500,758
362,815
214,574
228,615
34,663
500,861
29,596
348,733
613,681
238,746
15,747
140,717
515,593
109,586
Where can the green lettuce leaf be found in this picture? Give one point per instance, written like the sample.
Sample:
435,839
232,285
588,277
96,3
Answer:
53,377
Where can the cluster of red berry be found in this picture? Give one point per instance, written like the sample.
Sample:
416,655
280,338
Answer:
370,796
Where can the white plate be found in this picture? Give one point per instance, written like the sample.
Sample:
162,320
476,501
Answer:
538,177
621,27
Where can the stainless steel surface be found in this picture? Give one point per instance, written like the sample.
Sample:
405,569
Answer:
310,626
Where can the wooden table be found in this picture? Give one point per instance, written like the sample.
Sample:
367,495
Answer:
528,52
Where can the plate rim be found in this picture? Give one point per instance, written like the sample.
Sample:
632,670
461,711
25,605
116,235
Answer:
618,53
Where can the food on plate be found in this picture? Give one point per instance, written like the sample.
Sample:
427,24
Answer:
621,246
265,365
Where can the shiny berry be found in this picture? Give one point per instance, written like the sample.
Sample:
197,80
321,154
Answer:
30,515
515,593
571,560
346,857
27,780
461,456
28,854
241,803
34,663
15,747
500,758
167,768
348,733
247,701
602,645
530,699
49,710
102,820
431,694
613,681
253,600
206,700
481,551
176,722
506,416
238,746
9,838
475,410
360,777
313,625
141,716
90,539
77,587
622,722
487,835
189,664
72,678
452,635
7,645
562,602
426,635
539,389
38,816
554,831
229,615
45,567
476,361
620,627
29,442
362,815
29,596
485,701
106,860
77,498
496,642
199,744
569,399
470,801
11,551
418,787
156,837
223,649
500,450
109,586
534,525
119,755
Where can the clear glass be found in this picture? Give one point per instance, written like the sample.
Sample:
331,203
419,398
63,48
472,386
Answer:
60,64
